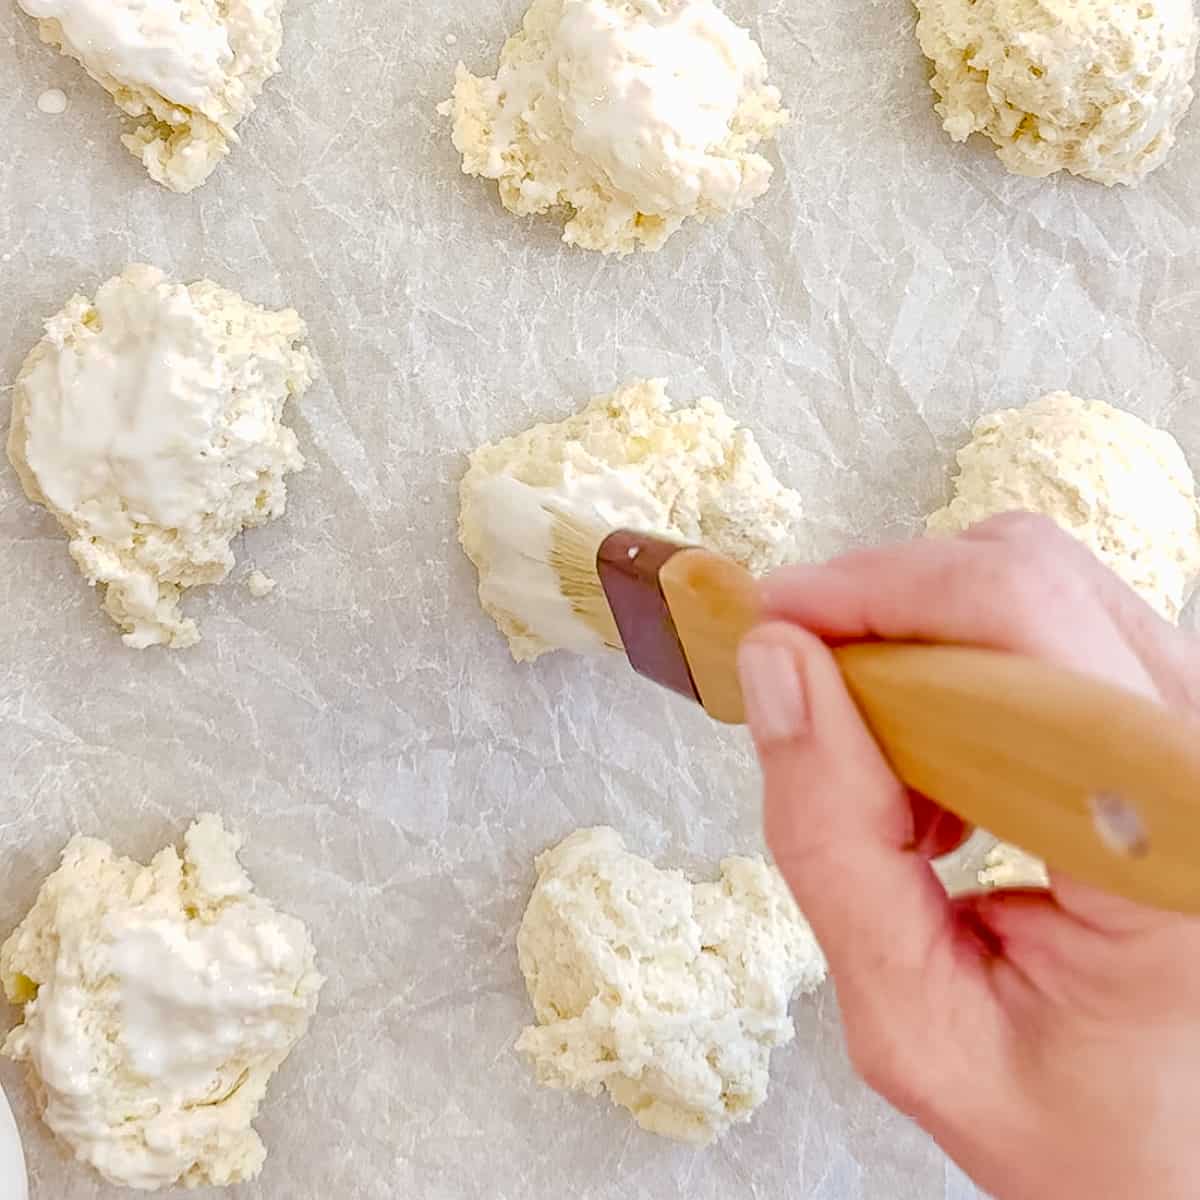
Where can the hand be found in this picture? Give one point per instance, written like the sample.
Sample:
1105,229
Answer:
1050,1042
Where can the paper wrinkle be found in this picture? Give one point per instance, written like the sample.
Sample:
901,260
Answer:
393,771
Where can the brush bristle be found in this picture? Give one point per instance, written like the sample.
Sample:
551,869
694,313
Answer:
573,548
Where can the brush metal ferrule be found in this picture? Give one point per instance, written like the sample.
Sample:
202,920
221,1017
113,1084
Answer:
629,565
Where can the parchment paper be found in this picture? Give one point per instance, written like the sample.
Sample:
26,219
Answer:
394,772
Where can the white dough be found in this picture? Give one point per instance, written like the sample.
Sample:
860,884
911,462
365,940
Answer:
633,115
189,69
149,422
668,993
158,1002
1121,487
1008,866
1094,87
628,460
260,584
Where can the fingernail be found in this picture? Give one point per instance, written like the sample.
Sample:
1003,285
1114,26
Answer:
776,710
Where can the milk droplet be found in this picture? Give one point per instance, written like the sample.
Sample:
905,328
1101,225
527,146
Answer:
53,101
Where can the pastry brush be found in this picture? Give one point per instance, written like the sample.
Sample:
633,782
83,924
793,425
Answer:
1102,783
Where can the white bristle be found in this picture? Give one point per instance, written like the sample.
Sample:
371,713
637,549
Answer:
539,554
574,545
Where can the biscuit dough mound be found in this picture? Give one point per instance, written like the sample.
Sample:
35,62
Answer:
1120,486
189,70
628,460
158,1002
1008,866
669,994
1094,87
632,115
150,423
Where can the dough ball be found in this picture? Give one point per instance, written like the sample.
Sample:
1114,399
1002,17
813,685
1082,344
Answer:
1121,487
190,70
1094,87
150,423
668,993
158,1002
632,115
260,585
628,460
1008,866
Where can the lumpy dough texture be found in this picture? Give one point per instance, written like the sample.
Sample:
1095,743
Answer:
1094,87
1120,486
1008,866
629,460
669,994
189,70
150,423
632,115
158,1002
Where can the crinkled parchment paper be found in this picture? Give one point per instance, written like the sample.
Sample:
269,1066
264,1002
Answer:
394,772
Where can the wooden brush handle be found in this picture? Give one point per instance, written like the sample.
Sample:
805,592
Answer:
1103,784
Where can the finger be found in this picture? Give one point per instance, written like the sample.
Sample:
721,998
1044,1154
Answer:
1189,655
1032,929
960,591
1160,646
1155,643
840,827
935,831
976,590
1076,964
1105,912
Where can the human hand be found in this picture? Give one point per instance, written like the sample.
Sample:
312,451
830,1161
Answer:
1050,1042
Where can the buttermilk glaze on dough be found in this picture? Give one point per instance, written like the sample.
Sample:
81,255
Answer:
629,460
158,1002
189,70
630,115
150,423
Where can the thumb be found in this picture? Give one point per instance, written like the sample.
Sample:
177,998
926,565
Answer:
840,827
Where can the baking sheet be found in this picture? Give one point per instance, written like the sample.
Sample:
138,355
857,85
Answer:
395,773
